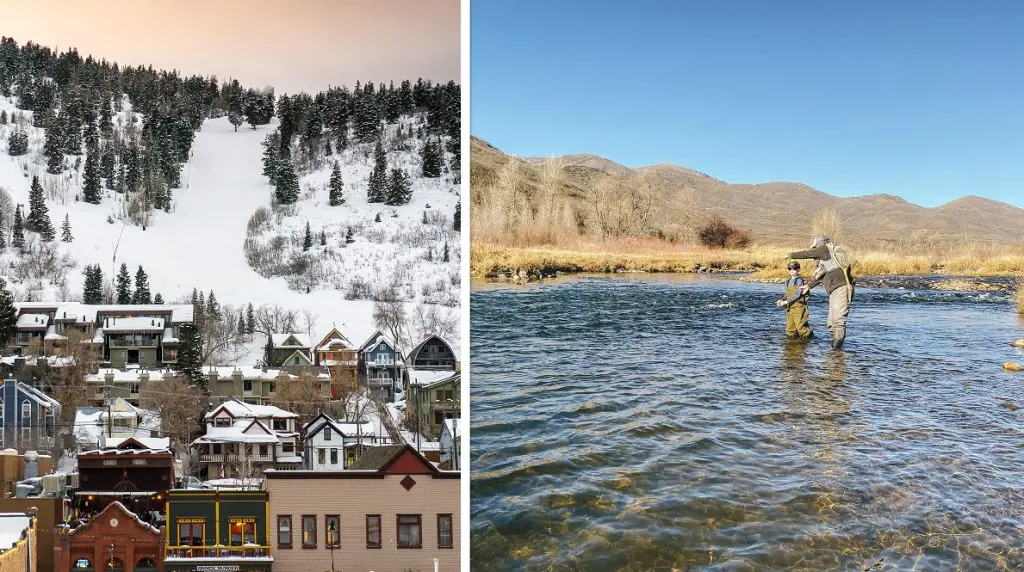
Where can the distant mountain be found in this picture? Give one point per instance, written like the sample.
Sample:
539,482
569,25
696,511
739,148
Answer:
775,212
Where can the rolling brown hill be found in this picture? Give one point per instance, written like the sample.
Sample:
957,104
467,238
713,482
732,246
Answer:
775,213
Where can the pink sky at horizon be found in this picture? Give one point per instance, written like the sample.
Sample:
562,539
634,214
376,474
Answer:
305,45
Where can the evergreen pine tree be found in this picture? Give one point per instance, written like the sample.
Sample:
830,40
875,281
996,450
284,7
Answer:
212,307
250,320
444,257
457,222
377,218
141,288
93,285
399,189
18,239
195,297
190,361
36,205
240,332
323,238
107,166
158,299
327,148
91,185
53,149
307,242
376,192
431,156
3,117
287,190
8,315
124,285
65,230
335,198
348,236
17,144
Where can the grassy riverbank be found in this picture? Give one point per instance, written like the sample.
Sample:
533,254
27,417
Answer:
765,263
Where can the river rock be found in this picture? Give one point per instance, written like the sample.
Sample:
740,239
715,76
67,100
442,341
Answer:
1010,366
1018,343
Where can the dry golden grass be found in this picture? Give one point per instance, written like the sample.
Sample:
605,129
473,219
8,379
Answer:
766,263
1018,296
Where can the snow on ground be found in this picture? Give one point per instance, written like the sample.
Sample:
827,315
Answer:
200,244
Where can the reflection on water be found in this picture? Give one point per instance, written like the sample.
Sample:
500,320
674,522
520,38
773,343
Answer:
653,424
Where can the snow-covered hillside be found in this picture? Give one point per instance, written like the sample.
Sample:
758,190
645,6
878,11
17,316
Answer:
200,243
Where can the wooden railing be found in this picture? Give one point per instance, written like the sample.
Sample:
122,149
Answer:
217,551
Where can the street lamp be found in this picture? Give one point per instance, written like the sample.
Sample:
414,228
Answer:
332,527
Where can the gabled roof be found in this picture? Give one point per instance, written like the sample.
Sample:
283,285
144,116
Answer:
301,355
33,321
375,339
429,377
455,377
32,393
117,510
301,340
382,458
241,410
321,421
334,334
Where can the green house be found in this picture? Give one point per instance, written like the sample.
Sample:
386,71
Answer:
217,529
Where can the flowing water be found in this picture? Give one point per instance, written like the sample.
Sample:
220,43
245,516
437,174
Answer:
666,424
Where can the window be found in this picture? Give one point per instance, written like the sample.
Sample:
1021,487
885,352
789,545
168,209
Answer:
280,425
409,527
170,355
26,433
284,531
332,526
288,447
444,531
373,531
1,413
222,422
334,456
216,449
243,531
142,354
350,456
320,456
190,531
26,413
133,387
263,451
327,434
308,531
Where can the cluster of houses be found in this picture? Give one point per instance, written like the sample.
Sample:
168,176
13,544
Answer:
347,495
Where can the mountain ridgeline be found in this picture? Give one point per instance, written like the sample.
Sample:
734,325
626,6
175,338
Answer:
601,197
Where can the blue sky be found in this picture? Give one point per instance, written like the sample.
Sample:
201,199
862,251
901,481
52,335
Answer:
921,99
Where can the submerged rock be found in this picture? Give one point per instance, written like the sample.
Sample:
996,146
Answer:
1017,343
1010,366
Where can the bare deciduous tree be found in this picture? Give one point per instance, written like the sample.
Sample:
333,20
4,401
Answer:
272,318
828,223
302,396
180,407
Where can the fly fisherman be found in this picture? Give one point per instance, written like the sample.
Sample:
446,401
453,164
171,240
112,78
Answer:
833,271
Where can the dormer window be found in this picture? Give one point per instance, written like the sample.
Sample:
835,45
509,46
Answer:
222,422
280,425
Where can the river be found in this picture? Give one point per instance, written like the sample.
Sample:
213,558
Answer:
664,423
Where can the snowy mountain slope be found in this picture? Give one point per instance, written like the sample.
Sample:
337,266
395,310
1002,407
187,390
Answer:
200,244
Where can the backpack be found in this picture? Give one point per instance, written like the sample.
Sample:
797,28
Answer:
842,255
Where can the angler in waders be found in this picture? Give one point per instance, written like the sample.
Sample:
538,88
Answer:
795,303
834,273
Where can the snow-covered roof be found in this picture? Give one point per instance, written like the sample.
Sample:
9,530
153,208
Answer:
52,361
12,525
374,339
248,372
346,429
240,410
422,377
154,443
331,337
34,394
125,376
241,431
179,313
91,423
52,335
33,321
280,339
113,325
452,427
169,336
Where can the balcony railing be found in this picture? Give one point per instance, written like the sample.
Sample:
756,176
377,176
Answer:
233,552
235,458
445,405
134,343
379,381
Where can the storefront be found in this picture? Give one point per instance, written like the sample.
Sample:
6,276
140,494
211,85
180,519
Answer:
217,531
114,540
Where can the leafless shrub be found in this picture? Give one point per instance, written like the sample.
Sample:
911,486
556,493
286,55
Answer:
258,221
272,318
42,261
358,289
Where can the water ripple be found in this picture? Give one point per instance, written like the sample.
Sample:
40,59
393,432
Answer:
650,424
